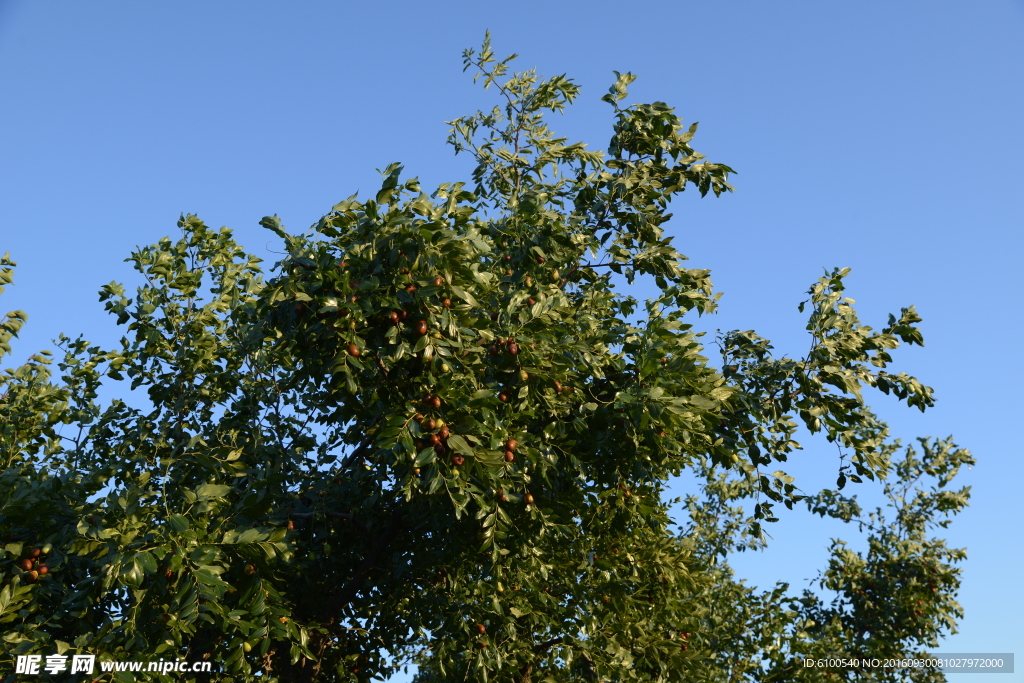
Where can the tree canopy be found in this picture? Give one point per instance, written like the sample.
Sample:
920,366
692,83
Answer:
440,432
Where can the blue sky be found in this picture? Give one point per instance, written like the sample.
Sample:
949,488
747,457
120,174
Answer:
877,135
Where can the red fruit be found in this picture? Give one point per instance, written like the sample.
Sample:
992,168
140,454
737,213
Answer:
438,281
507,257
32,576
26,564
35,552
404,314
480,628
353,350
250,569
421,327
513,349
509,456
558,387
416,471
530,301
291,525
541,259
410,288
393,316
435,439
503,397
444,432
431,424
482,645
435,402
458,460
508,271
529,499
511,444
440,448
447,303
167,574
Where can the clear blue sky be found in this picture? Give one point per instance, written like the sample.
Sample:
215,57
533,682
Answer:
883,136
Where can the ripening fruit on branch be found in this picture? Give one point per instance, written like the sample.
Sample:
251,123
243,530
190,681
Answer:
529,499
43,570
33,576
481,629
438,281
35,552
250,569
511,444
509,456
26,564
458,460
353,350
421,327
503,397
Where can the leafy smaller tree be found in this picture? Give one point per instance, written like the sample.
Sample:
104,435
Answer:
437,433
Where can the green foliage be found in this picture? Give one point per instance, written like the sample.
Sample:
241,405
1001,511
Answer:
436,433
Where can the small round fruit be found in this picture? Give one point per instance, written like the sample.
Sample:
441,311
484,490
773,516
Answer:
438,281
26,564
250,569
404,314
508,271
393,316
421,327
283,620
353,350
513,349
435,402
480,628
509,456
431,424
445,368
291,525
43,570
47,549
507,258
530,301
458,460
529,499
558,387
416,471
35,552
482,645
440,448
444,432
503,397
435,439
410,288
541,259
523,375
511,444
247,647
447,303
32,577
167,574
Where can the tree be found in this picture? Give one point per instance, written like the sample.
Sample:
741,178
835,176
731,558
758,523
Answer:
438,434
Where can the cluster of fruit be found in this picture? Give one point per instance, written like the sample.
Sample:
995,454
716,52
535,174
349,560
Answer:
33,564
